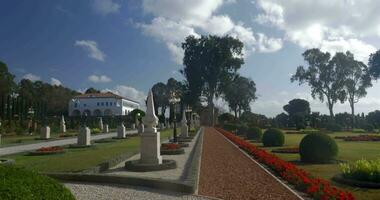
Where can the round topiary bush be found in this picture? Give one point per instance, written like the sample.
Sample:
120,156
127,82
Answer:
17,183
273,137
318,148
254,133
230,127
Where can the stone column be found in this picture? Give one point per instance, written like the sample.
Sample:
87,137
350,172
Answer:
84,136
101,124
63,125
121,133
133,127
140,128
150,138
184,127
105,128
45,132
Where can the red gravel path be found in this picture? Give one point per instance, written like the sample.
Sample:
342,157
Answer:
229,174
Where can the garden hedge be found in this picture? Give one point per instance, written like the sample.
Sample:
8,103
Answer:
318,148
20,184
273,137
254,133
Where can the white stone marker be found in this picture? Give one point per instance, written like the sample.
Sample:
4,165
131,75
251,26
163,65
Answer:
140,128
106,129
184,127
101,127
150,138
45,132
63,125
121,133
133,126
84,136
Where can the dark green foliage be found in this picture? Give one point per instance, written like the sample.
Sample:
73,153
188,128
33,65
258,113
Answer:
318,148
20,184
374,65
225,118
242,130
230,127
254,133
273,137
334,127
368,127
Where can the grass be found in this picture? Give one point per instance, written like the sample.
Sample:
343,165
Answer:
348,151
14,140
80,159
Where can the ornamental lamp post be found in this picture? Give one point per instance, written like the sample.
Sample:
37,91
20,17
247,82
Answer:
189,110
174,100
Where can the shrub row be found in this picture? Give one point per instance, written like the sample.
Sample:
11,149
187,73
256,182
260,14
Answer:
362,170
315,187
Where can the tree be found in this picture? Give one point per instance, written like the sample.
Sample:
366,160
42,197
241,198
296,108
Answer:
161,97
215,60
374,64
225,117
298,110
7,84
174,87
374,118
282,120
323,76
239,94
91,90
356,80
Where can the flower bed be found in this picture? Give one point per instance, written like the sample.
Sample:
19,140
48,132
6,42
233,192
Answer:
171,149
286,150
359,138
362,170
47,151
315,187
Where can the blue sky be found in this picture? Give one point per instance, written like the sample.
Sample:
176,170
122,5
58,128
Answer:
126,46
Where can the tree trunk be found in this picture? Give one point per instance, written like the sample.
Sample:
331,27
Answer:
235,111
331,105
352,105
210,100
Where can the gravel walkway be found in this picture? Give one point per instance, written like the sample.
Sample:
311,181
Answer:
61,142
108,192
227,173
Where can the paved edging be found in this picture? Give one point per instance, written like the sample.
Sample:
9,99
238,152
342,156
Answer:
262,167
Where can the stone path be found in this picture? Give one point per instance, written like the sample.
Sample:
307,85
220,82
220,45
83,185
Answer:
228,173
107,192
29,147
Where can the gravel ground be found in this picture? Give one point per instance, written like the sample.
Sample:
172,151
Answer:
229,174
60,142
108,192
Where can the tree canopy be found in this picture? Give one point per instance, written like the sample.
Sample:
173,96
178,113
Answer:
7,84
374,64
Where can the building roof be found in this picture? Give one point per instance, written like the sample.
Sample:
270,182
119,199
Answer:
103,95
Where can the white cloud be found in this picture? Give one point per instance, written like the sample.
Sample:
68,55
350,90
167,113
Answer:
105,7
55,82
99,79
91,47
332,25
175,20
31,77
131,93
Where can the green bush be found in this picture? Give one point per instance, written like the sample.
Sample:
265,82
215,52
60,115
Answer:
95,130
17,183
273,137
362,170
368,127
254,133
242,130
318,148
334,127
230,127
300,126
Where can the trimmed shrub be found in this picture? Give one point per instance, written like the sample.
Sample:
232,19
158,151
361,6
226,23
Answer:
334,127
242,130
230,127
17,183
96,130
318,148
273,137
368,127
362,170
254,133
300,126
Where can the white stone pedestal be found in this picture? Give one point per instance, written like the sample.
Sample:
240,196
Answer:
184,131
133,126
63,128
45,132
121,133
84,136
150,148
140,128
105,129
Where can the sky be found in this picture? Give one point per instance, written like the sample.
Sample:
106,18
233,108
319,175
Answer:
126,46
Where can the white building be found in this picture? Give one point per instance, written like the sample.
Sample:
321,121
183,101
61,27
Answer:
101,104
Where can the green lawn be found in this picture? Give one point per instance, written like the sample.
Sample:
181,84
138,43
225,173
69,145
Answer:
348,151
80,159
13,140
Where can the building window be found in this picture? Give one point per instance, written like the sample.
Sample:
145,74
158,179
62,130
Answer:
106,103
97,103
84,105
102,103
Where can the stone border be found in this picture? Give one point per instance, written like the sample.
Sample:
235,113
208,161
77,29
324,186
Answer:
136,166
355,183
6,161
44,153
105,166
